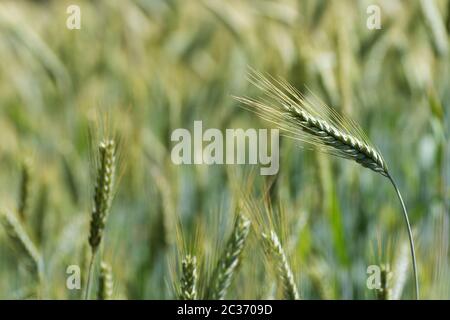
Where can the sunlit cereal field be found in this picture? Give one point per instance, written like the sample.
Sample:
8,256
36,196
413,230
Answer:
210,149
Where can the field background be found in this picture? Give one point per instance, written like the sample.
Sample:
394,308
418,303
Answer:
153,66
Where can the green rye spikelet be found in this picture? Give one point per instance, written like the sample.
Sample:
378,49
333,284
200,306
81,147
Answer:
282,268
103,192
228,262
321,128
188,287
317,125
105,282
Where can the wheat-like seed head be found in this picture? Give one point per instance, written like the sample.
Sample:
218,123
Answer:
103,193
230,258
105,286
321,127
312,122
188,288
282,268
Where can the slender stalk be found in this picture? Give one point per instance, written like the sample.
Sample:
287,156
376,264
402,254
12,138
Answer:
90,274
410,235
24,195
385,290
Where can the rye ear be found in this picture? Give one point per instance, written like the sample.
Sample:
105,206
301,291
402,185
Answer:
320,127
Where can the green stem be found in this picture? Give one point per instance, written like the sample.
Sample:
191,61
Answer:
90,272
410,235
40,282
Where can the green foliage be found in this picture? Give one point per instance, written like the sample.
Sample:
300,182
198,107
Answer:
155,66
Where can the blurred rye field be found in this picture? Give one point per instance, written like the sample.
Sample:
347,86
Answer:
148,67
